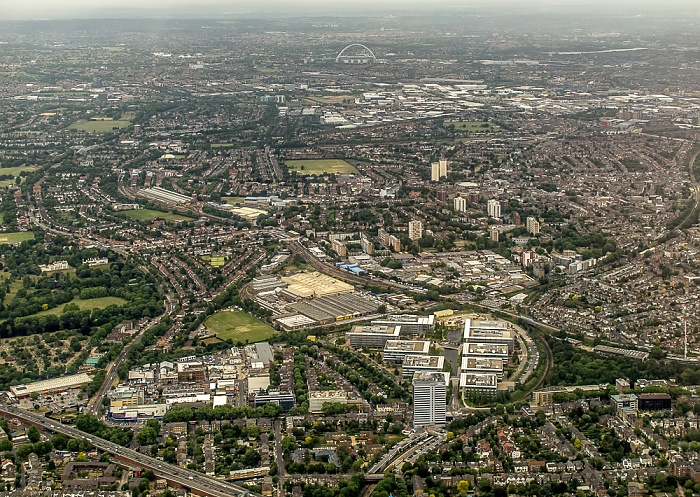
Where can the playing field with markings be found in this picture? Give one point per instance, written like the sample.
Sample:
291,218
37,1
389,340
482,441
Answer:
316,167
238,326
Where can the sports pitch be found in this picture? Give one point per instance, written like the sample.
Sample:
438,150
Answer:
103,124
18,237
311,167
238,326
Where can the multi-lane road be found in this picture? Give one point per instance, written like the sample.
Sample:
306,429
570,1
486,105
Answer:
197,483
95,405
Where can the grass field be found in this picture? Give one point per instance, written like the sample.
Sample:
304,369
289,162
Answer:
217,261
14,286
238,326
18,237
475,126
14,171
319,166
103,124
150,215
233,200
85,305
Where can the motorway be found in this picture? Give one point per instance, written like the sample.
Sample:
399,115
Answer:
198,483
418,443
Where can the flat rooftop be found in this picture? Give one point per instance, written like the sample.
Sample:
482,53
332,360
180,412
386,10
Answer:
487,330
327,394
376,329
315,284
430,377
424,361
421,346
482,380
52,385
407,318
485,363
485,348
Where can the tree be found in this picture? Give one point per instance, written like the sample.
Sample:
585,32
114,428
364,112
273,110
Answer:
463,487
147,435
33,434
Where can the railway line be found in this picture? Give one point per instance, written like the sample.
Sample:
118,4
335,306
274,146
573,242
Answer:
193,481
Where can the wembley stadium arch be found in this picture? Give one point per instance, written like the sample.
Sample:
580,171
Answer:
356,53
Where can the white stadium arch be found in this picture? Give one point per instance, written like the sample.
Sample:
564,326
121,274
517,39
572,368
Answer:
355,58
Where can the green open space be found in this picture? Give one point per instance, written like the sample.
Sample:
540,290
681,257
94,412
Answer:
475,126
151,214
103,124
215,260
233,200
320,166
85,305
14,286
14,171
18,237
238,326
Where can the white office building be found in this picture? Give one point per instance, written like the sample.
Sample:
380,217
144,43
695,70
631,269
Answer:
430,399
487,351
481,365
496,332
413,364
479,383
372,337
410,324
396,350
460,204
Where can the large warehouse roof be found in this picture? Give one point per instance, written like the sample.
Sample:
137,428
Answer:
52,385
315,284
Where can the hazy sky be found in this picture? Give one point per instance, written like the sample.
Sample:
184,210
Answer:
44,9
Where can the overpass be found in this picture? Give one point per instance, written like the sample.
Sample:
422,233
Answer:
419,442
197,483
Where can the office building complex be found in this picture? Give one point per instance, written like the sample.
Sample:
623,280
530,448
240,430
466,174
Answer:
396,350
478,383
495,332
372,337
410,324
486,351
625,401
413,364
478,365
430,399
